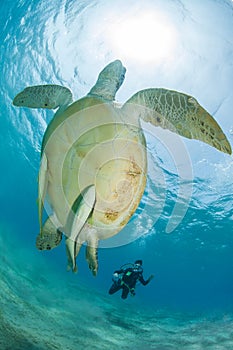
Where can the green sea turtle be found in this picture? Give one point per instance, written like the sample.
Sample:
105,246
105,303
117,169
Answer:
93,161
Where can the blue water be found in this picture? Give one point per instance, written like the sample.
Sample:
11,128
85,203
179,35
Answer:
189,304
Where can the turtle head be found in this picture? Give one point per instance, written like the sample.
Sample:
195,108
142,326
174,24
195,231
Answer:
109,81
113,73
43,96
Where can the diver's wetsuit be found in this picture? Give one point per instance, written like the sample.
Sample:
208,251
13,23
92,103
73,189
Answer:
128,281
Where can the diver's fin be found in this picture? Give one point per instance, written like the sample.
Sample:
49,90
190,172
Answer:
50,235
42,188
77,218
92,254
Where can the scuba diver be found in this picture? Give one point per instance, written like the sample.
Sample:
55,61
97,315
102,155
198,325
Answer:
126,279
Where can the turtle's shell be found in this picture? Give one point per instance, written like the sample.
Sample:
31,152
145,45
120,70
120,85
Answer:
91,143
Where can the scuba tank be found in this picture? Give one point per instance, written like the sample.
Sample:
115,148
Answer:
132,266
126,266
117,277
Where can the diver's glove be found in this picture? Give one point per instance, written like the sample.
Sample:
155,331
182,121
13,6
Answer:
115,278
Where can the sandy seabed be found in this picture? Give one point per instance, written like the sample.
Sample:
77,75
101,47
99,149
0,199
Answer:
55,314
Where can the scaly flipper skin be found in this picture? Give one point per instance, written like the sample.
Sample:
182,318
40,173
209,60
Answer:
179,113
50,236
43,96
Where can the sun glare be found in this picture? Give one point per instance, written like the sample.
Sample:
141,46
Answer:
146,38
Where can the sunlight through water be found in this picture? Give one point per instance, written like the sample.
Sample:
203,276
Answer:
144,38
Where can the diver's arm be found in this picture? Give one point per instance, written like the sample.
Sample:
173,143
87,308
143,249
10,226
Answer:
145,282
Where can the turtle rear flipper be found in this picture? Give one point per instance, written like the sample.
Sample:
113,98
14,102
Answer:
50,236
77,218
71,247
92,254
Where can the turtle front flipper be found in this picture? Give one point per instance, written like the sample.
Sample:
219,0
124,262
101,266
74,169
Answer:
179,113
44,96
77,218
42,187
50,236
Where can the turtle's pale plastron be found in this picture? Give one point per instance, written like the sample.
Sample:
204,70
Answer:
94,163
